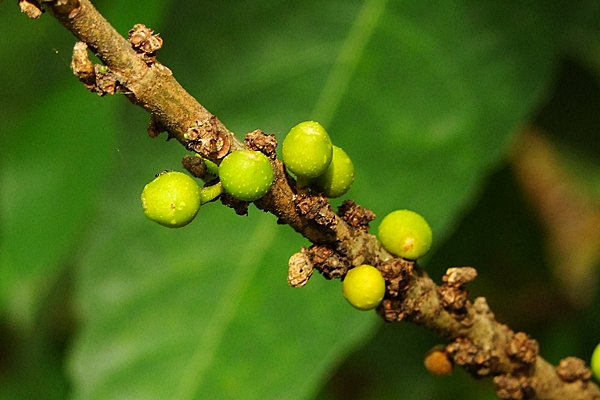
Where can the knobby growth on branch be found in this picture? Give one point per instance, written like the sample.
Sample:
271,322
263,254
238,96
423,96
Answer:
477,342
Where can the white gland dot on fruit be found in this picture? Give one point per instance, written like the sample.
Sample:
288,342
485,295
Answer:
307,150
338,177
247,175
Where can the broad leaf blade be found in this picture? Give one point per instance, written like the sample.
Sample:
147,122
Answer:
204,312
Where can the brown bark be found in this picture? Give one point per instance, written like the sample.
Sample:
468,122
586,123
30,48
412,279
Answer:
477,342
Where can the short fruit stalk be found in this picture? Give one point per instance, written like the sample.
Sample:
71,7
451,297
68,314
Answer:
209,193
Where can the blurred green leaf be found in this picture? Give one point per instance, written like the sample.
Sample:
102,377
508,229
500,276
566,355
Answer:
205,312
424,97
52,166
192,312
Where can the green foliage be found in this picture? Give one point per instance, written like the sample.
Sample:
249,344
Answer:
427,99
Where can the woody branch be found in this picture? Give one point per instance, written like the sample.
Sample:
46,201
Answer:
477,342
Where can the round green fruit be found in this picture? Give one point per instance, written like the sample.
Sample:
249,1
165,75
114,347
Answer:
307,150
246,174
338,177
364,287
595,363
406,234
172,199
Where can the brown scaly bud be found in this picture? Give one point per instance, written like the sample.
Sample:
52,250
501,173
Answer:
522,348
474,359
155,127
300,269
145,42
514,387
316,208
572,369
205,138
396,272
355,215
260,141
82,66
328,262
31,8
195,166
452,293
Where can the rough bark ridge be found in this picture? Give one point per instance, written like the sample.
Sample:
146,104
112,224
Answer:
477,342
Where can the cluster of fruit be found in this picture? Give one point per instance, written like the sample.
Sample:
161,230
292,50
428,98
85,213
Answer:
173,199
403,233
308,153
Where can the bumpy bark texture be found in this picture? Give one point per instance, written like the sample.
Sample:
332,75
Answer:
477,342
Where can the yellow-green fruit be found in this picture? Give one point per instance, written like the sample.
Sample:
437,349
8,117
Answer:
364,287
172,199
338,177
246,174
595,363
406,234
307,150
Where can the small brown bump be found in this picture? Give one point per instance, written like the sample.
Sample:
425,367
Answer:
155,127
222,146
325,260
453,298
75,11
472,358
205,138
355,215
106,81
145,42
572,369
523,348
259,141
510,387
240,207
195,166
391,310
396,272
316,208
